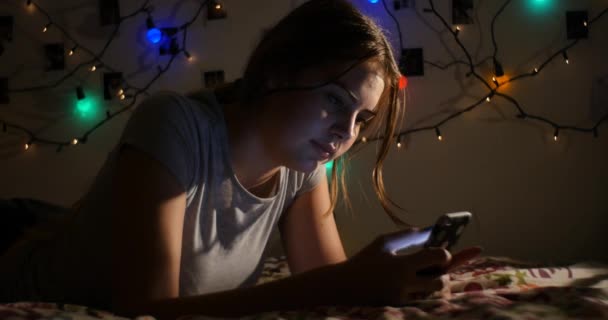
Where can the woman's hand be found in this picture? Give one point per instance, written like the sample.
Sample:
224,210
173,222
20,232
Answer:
377,276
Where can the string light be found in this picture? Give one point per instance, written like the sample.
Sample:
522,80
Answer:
188,56
96,66
498,71
439,137
184,27
73,50
399,142
153,34
79,93
556,134
565,55
489,97
402,82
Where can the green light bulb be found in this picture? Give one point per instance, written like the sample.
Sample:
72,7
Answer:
87,108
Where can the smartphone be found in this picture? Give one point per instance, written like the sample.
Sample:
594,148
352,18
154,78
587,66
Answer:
444,233
447,230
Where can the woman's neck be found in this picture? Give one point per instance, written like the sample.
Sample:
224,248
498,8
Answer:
251,163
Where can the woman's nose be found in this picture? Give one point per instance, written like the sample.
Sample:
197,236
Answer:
345,128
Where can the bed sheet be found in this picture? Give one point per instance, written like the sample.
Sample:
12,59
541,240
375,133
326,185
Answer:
485,288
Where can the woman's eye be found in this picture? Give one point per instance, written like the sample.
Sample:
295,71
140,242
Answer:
335,100
363,122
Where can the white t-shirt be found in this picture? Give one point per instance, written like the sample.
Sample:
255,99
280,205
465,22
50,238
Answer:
226,228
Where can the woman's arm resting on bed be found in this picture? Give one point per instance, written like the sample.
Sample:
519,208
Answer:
149,207
147,221
310,238
148,215
371,278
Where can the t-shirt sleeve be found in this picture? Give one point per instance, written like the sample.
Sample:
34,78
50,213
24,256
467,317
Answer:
312,179
162,127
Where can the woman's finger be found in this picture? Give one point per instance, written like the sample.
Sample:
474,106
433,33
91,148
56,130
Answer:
463,256
429,257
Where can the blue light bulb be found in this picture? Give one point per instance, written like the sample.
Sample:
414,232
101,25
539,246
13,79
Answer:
373,1
154,35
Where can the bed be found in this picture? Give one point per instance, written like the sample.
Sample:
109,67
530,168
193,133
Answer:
487,287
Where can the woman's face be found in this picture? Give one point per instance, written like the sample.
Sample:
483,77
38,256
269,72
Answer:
304,128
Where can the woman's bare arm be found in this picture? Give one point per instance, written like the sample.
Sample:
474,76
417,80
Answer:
316,287
149,207
147,221
148,215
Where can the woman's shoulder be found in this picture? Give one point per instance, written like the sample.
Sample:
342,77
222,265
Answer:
198,107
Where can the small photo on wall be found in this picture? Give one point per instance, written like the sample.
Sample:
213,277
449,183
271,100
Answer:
109,12
4,99
55,56
462,11
6,28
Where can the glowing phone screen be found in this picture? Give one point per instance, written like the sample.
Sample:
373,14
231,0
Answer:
409,241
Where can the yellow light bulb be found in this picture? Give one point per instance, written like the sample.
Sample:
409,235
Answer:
75,141
488,99
399,145
120,92
93,68
567,61
45,29
535,70
440,138
364,139
122,97
27,146
71,52
218,6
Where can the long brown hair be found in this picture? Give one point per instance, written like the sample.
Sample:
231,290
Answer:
320,33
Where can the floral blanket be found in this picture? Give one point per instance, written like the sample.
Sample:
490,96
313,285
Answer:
486,288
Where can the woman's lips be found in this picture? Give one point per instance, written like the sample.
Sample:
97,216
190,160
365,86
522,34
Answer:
325,151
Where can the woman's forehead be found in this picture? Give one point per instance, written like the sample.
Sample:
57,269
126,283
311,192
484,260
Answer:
329,72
